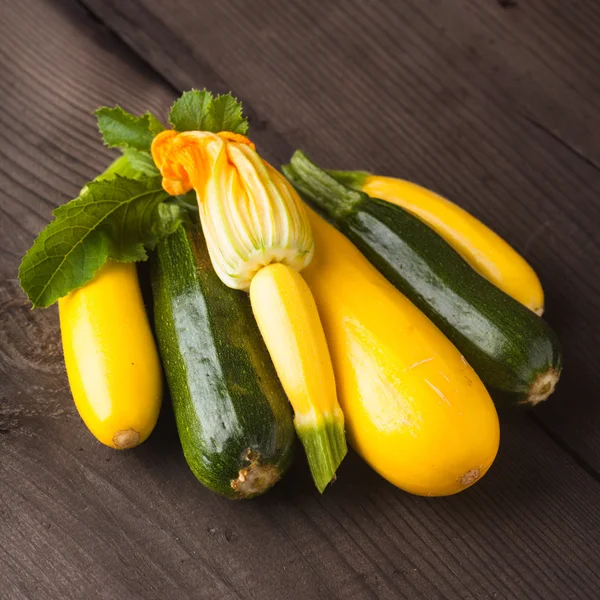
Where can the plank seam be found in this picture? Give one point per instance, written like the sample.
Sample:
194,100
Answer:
557,138
577,458
101,23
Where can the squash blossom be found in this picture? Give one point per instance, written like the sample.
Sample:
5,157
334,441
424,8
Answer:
251,216
259,238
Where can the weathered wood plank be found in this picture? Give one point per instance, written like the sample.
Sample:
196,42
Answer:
48,136
495,108
78,520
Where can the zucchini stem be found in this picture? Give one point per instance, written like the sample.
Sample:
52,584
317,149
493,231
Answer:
325,447
256,478
320,188
542,387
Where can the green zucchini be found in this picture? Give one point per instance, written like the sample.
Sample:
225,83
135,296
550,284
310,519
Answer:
514,351
233,417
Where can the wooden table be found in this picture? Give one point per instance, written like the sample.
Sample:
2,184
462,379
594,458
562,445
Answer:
495,106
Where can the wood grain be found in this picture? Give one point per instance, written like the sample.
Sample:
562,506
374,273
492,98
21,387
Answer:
496,109
78,520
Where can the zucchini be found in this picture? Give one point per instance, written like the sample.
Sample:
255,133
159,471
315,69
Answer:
516,354
414,410
111,357
483,249
233,418
288,319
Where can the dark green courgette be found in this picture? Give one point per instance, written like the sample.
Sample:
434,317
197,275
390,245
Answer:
233,417
514,351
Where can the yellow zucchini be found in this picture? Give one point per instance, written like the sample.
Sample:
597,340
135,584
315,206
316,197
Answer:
288,320
414,408
490,255
111,358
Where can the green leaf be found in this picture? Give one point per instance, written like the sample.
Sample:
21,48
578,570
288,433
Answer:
115,218
189,111
225,114
169,216
198,111
188,200
121,129
120,166
154,125
187,205
141,162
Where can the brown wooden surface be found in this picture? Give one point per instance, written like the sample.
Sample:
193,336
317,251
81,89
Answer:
494,107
